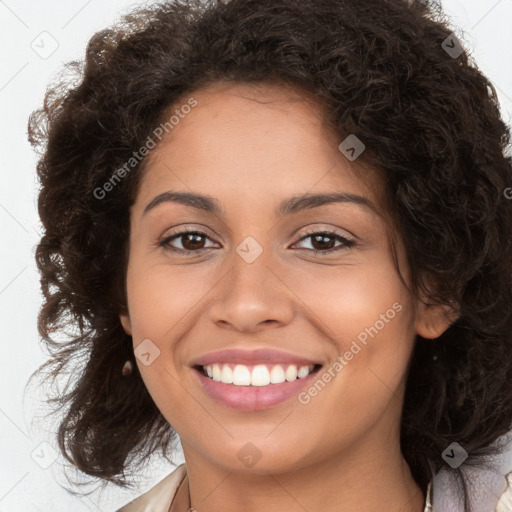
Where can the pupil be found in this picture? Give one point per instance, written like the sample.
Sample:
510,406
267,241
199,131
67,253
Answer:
187,240
321,239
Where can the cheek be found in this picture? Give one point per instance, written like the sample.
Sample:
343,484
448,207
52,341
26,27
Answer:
161,296
367,315
352,301
164,303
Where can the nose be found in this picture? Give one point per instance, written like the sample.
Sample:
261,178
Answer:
252,296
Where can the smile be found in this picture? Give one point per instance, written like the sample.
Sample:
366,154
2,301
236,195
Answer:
256,375
256,379
254,388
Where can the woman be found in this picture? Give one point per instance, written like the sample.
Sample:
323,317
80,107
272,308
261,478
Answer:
282,231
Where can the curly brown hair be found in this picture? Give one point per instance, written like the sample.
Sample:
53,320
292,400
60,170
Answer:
429,120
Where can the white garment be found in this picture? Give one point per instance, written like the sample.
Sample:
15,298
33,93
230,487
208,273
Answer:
159,498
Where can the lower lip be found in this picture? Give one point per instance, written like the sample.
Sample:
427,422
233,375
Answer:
252,398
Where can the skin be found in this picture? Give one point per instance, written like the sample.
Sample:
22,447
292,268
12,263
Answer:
251,146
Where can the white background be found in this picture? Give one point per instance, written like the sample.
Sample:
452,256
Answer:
24,484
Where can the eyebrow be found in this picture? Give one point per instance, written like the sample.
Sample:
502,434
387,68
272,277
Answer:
288,206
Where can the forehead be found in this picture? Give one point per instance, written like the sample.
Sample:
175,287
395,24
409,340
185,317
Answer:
249,142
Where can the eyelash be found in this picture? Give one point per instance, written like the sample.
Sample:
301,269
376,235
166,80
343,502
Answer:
347,242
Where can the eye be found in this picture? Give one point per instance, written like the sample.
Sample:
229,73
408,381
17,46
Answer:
190,241
323,241
193,241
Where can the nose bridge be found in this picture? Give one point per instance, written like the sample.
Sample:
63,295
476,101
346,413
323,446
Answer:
250,271
251,293
251,262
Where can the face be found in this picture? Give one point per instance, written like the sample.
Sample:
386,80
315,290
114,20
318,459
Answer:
311,285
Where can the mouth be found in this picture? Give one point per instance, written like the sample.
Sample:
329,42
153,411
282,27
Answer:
259,375
254,387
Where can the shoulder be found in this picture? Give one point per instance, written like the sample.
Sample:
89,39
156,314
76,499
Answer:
505,503
160,496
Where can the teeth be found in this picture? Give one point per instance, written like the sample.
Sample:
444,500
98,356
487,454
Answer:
277,375
260,375
291,373
241,375
226,375
303,372
216,372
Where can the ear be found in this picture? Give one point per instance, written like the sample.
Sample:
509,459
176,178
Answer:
126,322
432,320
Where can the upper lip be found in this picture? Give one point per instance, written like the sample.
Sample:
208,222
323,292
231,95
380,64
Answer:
250,357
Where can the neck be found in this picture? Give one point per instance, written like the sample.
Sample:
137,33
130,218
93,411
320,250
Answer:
343,483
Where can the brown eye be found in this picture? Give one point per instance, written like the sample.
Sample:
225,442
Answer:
194,241
322,242
191,241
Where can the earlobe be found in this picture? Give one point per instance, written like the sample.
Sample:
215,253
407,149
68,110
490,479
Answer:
432,320
126,323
